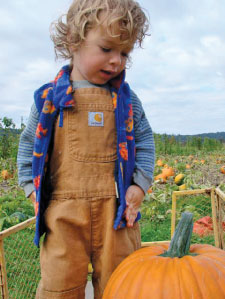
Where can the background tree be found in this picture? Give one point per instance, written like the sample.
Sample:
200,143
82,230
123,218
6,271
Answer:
8,138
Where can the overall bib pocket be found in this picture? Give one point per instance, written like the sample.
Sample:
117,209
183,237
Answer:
92,133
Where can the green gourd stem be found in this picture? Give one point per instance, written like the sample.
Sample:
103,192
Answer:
181,241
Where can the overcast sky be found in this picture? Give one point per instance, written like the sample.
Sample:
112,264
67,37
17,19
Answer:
179,75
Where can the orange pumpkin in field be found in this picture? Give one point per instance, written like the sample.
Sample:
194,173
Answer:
168,172
159,163
222,169
149,190
159,272
161,177
5,174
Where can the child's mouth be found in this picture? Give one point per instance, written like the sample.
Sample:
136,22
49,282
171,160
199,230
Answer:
107,72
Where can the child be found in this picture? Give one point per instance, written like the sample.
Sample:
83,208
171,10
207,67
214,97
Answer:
92,147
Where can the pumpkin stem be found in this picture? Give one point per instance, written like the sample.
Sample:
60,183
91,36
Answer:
181,241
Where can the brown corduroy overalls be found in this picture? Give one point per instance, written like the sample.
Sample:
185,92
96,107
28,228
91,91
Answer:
82,209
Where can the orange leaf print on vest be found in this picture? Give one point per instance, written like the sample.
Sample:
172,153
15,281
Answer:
38,155
129,124
123,150
45,93
58,76
130,112
114,99
48,107
40,130
69,90
121,169
70,102
37,181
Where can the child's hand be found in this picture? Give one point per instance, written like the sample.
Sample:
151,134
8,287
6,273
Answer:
32,197
134,197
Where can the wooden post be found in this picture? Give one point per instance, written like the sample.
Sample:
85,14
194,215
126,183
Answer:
173,218
4,286
214,218
220,200
220,221
220,193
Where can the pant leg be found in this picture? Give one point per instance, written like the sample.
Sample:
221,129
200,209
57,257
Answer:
65,252
109,246
76,293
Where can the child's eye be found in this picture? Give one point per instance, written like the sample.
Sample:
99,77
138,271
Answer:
124,54
106,50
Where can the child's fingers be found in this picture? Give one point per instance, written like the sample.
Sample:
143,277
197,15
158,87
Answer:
131,215
131,221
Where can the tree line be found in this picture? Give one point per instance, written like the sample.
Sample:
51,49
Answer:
164,144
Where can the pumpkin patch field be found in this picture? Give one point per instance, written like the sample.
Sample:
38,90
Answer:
189,166
174,173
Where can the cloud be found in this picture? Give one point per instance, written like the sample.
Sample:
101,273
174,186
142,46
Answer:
181,70
179,75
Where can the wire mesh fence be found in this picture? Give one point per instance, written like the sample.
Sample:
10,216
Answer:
200,204
21,262
19,257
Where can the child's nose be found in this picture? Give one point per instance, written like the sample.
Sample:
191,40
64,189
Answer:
116,59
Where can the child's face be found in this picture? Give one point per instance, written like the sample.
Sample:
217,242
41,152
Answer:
100,57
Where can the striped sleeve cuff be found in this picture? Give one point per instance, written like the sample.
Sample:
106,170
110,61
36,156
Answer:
28,188
142,180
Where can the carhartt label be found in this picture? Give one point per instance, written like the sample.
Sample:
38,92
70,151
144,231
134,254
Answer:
96,119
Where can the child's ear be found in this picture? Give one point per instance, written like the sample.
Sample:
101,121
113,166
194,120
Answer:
72,49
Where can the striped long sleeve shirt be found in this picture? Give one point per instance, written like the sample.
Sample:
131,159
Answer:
144,142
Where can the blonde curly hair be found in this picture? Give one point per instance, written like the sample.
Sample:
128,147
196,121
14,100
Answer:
83,15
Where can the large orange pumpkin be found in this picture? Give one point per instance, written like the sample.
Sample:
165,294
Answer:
153,273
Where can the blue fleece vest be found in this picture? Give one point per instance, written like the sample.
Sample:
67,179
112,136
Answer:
51,99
